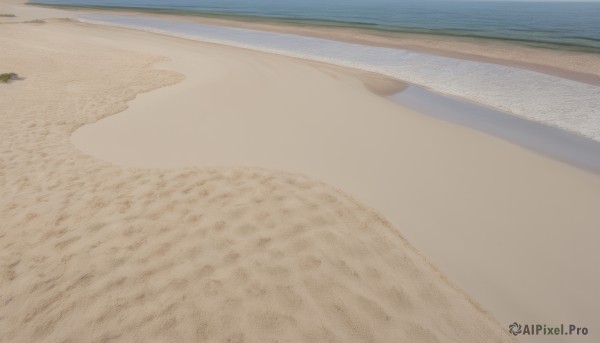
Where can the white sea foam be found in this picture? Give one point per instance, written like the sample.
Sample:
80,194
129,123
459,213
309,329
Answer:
567,104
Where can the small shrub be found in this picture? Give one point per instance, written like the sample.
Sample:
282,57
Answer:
7,15
4,78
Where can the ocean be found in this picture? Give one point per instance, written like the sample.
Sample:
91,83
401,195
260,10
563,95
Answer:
566,104
563,25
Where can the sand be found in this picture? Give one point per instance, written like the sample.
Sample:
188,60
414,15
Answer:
94,252
99,249
463,198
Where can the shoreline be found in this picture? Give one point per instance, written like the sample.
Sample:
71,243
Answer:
582,66
569,147
515,84
561,145
391,87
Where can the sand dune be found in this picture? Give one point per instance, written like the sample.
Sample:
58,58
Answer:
93,252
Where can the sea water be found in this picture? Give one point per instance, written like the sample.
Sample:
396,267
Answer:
561,25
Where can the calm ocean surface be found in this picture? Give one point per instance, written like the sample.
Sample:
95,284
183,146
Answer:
563,25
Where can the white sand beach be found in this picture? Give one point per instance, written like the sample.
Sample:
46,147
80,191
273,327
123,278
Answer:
159,189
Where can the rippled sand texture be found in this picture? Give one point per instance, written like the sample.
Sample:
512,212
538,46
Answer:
91,252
